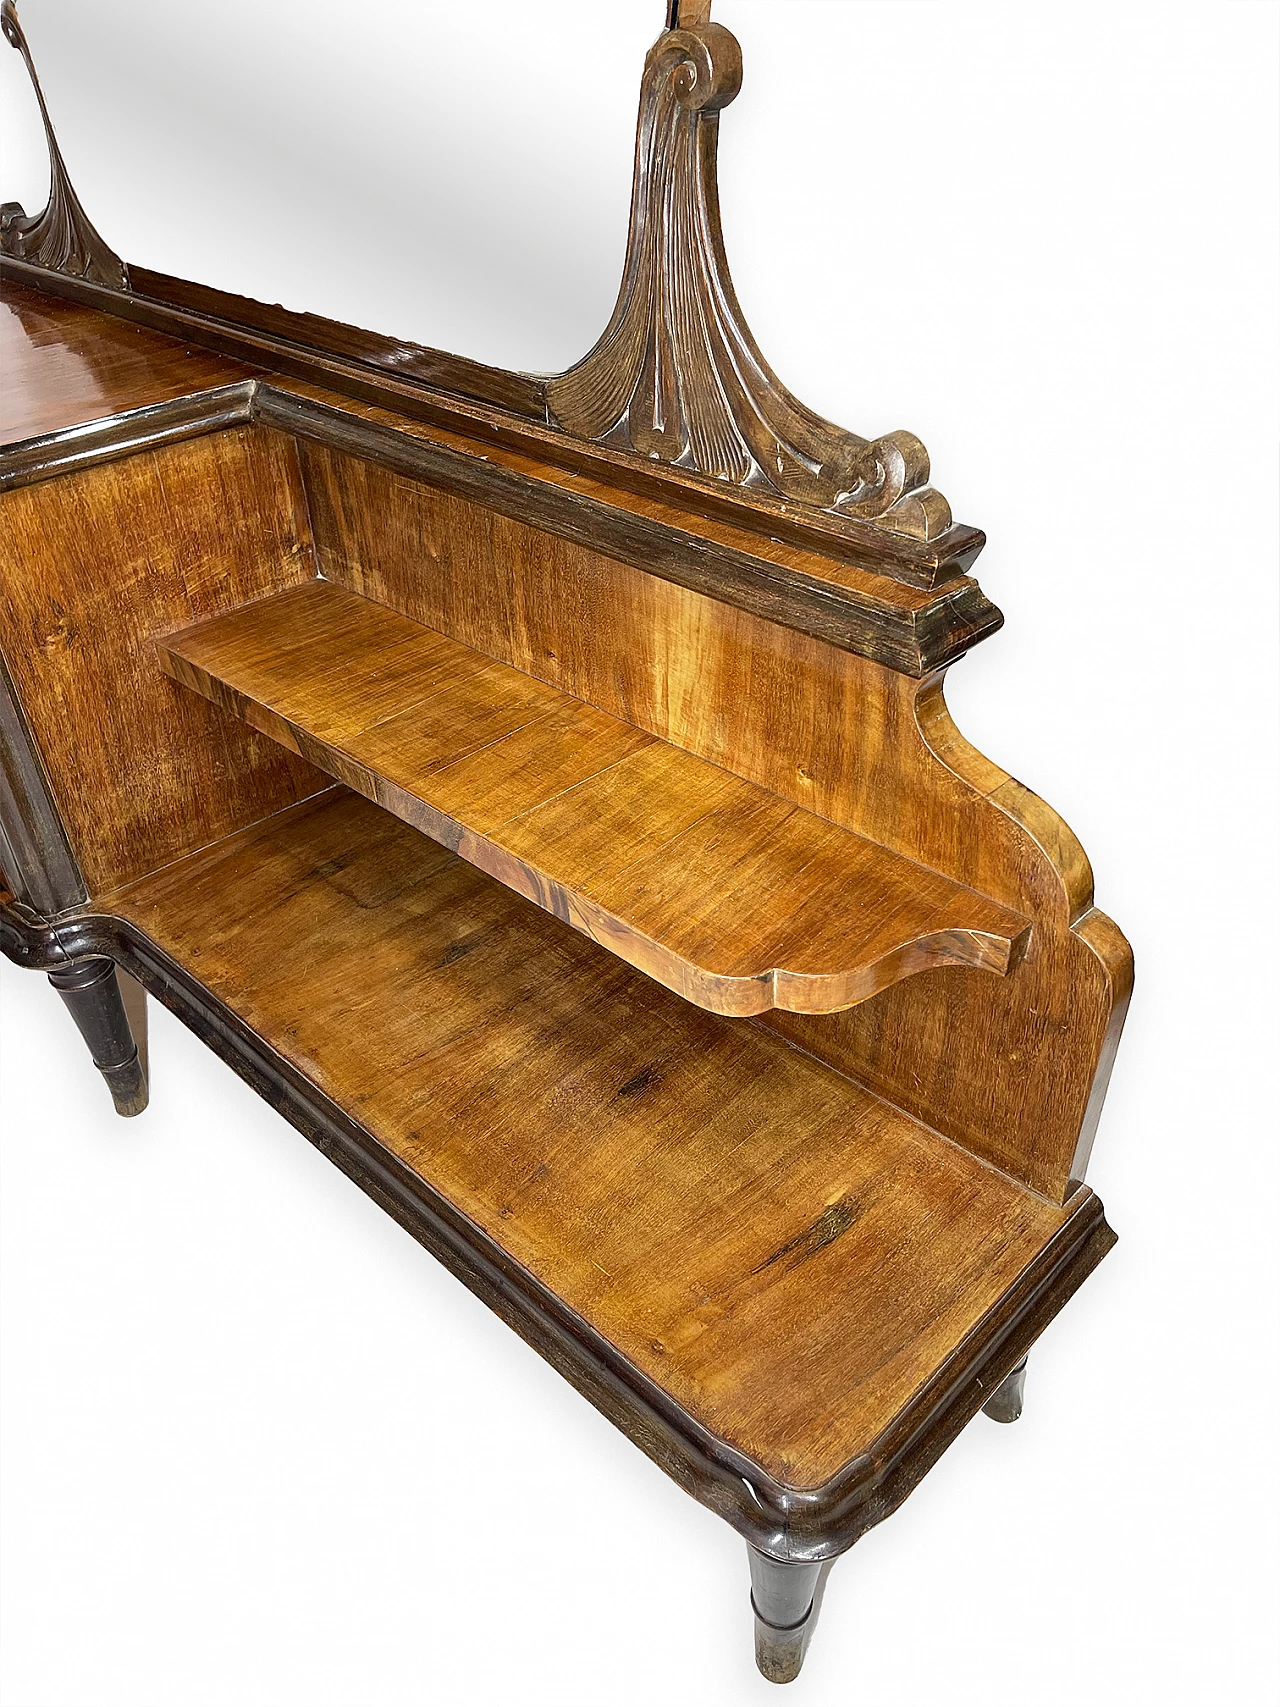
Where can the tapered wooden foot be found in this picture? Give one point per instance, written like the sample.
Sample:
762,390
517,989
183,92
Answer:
1005,1404
91,992
785,1599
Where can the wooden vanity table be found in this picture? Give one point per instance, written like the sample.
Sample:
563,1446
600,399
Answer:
542,792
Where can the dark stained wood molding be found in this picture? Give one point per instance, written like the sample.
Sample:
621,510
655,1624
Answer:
62,237
675,393
905,635
520,393
778,958
34,851
642,809
846,539
676,375
36,459
786,1523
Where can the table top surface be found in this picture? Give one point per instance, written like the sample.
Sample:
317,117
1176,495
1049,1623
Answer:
63,365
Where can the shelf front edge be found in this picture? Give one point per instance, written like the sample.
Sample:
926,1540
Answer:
996,945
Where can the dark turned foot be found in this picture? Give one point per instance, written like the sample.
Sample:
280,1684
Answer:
91,992
1005,1404
785,1599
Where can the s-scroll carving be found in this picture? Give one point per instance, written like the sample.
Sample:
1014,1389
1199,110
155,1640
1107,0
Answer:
61,238
677,375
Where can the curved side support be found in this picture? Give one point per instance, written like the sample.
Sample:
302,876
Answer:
1046,1036
1100,950
62,237
677,375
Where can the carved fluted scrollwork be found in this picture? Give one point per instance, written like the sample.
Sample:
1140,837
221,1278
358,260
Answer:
62,237
677,375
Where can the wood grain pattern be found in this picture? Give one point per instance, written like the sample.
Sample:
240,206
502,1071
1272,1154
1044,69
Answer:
841,537
733,897
786,1522
847,603
97,563
116,436
65,365
791,1259
1013,1069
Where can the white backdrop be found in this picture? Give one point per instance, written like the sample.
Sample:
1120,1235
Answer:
259,1450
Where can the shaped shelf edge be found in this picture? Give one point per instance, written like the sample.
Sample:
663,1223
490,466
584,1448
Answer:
734,898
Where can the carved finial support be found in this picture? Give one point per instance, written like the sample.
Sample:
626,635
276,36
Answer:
677,375
62,237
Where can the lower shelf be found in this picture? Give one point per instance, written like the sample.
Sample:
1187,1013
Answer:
787,1257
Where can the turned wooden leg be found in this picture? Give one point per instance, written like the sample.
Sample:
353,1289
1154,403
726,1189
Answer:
91,992
785,1599
1005,1404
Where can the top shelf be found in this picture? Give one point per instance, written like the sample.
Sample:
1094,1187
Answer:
734,898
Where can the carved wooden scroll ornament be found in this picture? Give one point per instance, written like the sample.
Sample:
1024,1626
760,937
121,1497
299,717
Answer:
677,374
62,237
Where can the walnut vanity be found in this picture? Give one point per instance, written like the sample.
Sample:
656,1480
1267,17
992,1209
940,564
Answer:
542,792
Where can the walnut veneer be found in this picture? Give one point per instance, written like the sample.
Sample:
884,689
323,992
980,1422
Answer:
542,791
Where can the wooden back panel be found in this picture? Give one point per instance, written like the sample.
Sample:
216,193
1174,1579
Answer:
1013,1068
97,563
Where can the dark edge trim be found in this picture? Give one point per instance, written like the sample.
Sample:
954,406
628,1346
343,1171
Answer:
520,393
155,424
846,539
786,1523
34,850
914,642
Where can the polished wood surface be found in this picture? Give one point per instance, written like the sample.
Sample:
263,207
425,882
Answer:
63,365
40,868
61,235
865,746
521,393
662,652
840,537
787,1256
857,743
156,392
96,564
735,898
846,602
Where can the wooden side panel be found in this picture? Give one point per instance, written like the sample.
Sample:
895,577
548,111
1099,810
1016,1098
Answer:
1007,1068
737,899
98,563
65,364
